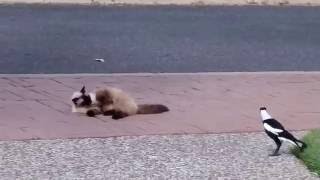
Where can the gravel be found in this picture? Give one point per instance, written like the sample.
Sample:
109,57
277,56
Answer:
205,156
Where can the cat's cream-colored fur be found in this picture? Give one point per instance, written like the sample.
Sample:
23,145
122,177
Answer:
113,101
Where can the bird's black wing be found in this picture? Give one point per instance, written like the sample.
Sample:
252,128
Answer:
274,124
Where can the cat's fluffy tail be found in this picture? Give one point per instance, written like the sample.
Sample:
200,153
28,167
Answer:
152,108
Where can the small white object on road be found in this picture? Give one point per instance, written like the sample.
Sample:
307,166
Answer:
99,60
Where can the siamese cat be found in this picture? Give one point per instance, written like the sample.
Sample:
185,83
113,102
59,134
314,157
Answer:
111,101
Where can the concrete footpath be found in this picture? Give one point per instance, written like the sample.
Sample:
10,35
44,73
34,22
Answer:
38,106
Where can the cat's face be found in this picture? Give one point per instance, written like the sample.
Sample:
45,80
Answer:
81,99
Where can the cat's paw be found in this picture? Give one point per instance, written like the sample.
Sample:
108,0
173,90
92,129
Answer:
108,113
118,115
90,113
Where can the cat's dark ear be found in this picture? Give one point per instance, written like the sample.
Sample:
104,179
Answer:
83,90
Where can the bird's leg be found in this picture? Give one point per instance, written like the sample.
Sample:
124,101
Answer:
278,142
275,153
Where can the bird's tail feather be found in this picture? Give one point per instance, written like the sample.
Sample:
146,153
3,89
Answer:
289,136
303,144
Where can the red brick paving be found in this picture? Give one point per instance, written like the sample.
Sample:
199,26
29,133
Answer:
37,107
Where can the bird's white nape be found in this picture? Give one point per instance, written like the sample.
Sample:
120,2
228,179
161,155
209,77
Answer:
265,115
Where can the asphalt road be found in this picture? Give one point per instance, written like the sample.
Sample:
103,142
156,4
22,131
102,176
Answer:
57,39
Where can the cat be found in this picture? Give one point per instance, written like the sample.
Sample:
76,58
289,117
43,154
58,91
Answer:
111,101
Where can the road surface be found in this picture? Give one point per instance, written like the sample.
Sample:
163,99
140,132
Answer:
67,39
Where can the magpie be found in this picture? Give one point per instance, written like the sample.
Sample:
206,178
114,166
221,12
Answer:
278,133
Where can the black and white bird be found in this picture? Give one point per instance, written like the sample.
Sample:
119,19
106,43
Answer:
277,132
